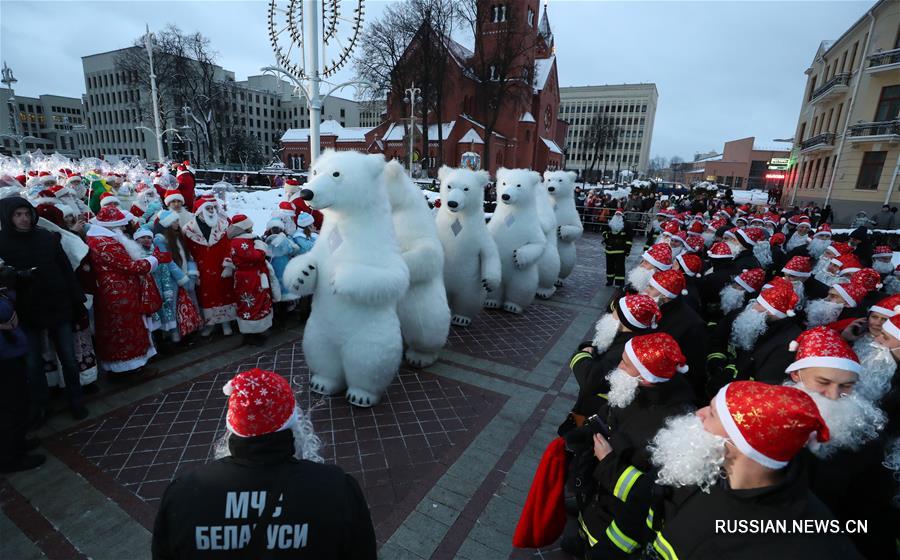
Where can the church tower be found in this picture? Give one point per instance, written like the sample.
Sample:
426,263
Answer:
519,17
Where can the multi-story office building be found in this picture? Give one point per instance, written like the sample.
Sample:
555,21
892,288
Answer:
631,108
263,106
372,113
847,142
49,123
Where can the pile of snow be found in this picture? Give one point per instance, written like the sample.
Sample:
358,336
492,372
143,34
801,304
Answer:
750,197
258,206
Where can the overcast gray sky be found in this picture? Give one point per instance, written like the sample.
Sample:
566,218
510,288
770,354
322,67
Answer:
724,69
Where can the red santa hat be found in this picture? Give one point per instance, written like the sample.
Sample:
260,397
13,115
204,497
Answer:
777,239
292,183
720,250
716,224
691,264
823,232
259,403
286,209
798,266
848,264
669,226
743,209
241,221
52,213
696,228
637,312
660,256
779,300
109,198
888,306
778,281
892,326
838,248
73,180
669,283
823,347
619,213
749,237
868,277
656,357
695,244
882,251
60,191
769,423
182,169
852,292
203,201
173,194
110,216
751,280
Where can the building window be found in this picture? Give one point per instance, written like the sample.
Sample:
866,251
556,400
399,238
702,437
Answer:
870,170
530,17
498,13
494,77
889,104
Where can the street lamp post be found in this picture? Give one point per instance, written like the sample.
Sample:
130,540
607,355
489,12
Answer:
159,136
148,43
412,96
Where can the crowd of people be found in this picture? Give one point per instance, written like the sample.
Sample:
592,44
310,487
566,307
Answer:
100,270
743,377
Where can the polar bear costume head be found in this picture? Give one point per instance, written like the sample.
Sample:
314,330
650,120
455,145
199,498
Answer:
560,185
402,193
462,190
516,187
345,182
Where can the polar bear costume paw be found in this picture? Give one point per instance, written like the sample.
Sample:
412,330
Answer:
460,321
325,385
491,304
512,307
361,397
420,359
558,283
546,293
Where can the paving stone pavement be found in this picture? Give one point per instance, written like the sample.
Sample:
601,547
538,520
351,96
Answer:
445,460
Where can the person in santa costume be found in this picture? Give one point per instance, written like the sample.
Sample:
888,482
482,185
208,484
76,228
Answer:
292,193
679,320
742,242
208,243
630,316
656,258
720,273
755,344
282,249
174,202
253,283
797,271
120,323
646,387
315,510
182,303
186,183
889,342
847,471
734,296
837,271
752,432
842,301
692,266
146,195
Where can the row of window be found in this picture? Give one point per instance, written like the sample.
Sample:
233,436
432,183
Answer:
607,108
618,121
66,110
837,66
626,159
887,109
816,173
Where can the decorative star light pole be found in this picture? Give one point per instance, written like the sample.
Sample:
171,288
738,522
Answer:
148,44
294,29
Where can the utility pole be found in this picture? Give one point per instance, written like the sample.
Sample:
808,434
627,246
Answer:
148,43
412,95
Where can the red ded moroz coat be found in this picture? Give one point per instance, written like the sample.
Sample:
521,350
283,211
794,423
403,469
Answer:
122,338
215,294
251,284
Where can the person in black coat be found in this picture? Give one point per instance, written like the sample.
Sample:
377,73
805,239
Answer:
647,388
50,301
744,259
861,241
692,267
712,282
617,240
266,498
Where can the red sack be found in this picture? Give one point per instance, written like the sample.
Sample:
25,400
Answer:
186,314
544,515
151,299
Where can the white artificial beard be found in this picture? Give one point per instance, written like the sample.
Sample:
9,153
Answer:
827,278
878,369
795,241
686,454
736,247
821,265
208,218
852,421
821,312
639,278
748,326
622,388
134,249
817,246
307,445
708,238
891,285
616,224
677,249
763,253
882,266
731,298
605,331
799,290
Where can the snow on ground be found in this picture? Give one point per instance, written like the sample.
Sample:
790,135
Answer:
258,206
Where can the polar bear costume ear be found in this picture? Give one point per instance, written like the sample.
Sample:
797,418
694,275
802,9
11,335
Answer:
547,175
501,174
375,164
572,175
483,177
393,169
535,178
444,172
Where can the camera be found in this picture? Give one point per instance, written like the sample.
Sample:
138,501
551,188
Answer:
598,425
10,276
582,438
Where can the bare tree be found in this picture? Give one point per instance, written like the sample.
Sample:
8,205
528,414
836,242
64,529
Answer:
601,134
656,165
243,147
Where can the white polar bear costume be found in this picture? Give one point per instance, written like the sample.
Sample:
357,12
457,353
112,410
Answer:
356,275
520,240
423,311
471,263
560,185
548,265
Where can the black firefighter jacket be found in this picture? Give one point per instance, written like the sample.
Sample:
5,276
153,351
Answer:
315,511
687,328
590,371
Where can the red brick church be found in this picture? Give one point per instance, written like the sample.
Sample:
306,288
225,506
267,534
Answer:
527,132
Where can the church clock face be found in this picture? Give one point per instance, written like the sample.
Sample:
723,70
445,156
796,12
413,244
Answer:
547,116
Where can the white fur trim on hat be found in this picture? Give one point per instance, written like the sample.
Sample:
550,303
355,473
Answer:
845,364
110,200
142,232
649,258
796,273
662,290
737,438
174,196
631,318
772,310
740,282
844,295
645,373
884,310
892,329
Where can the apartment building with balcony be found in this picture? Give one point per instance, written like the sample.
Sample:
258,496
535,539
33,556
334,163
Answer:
847,142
